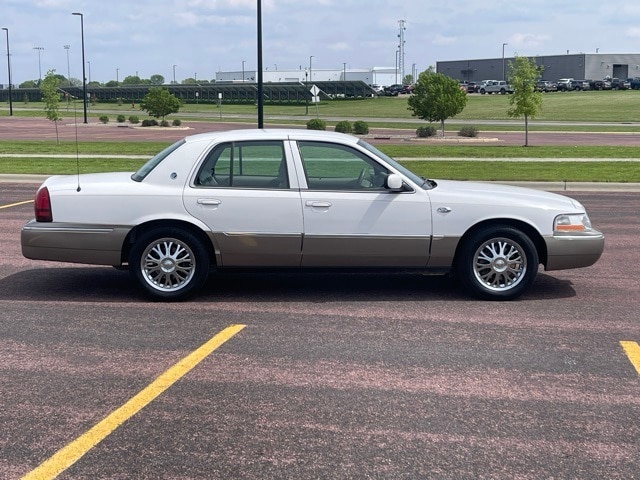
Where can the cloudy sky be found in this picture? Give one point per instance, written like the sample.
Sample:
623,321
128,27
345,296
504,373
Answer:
201,37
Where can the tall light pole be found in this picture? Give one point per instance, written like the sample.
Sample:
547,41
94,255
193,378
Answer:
67,47
503,45
39,49
89,70
9,71
174,74
310,69
260,86
84,75
243,71
397,52
117,76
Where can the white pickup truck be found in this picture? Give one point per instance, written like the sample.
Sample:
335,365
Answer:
495,86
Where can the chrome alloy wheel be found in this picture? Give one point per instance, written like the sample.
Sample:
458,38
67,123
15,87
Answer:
500,264
168,264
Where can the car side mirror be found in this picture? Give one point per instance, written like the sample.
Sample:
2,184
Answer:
393,182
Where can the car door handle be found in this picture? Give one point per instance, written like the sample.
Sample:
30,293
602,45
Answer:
312,203
209,201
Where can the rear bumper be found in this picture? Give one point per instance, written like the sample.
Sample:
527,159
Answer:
573,251
90,244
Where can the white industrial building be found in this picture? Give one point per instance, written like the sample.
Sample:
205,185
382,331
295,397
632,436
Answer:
373,76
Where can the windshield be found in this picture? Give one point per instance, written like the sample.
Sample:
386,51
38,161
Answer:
154,161
402,169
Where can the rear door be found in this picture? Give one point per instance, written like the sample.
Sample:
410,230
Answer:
242,191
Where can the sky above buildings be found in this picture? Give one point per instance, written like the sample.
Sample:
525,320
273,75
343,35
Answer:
201,37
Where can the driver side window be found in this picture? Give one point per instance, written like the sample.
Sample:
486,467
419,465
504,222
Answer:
339,167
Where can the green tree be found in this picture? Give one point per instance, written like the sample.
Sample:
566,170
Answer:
29,84
51,98
407,80
157,79
159,102
131,80
436,97
525,101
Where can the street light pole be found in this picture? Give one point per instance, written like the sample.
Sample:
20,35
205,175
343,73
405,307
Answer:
39,49
9,71
242,71
84,75
174,74
503,45
310,69
67,47
260,94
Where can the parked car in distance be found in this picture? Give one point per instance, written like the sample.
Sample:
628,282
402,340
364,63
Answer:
495,86
620,84
407,89
393,90
299,199
634,83
565,85
471,87
599,85
546,86
580,85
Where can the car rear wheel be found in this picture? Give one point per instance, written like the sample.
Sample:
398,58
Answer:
169,264
497,263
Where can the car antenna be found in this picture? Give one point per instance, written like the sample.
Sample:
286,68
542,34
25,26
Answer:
75,121
75,116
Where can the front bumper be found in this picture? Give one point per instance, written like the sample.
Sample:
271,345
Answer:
573,251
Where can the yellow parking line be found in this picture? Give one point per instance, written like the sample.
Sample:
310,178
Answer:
15,204
632,349
71,453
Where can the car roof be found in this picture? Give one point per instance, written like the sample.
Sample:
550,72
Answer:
272,134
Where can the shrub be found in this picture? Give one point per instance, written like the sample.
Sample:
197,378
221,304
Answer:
149,122
134,119
316,124
426,131
121,118
344,126
177,122
165,123
468,131
360,127
104,119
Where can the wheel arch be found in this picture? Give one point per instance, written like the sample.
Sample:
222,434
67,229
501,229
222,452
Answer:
167,223
526,228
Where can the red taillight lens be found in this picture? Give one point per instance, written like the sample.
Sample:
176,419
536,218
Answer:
42,206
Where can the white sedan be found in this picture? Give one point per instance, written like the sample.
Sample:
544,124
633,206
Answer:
301,199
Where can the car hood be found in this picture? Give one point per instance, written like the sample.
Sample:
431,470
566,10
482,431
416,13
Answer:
478,193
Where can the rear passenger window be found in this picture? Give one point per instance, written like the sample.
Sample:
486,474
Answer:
245,165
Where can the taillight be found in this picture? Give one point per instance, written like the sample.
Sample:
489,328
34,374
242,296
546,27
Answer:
42,206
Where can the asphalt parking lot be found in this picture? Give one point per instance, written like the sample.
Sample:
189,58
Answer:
327,376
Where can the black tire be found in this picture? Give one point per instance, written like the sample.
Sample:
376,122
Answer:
169,264
497,263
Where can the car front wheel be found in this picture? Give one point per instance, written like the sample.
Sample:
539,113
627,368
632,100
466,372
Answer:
169,264
497,263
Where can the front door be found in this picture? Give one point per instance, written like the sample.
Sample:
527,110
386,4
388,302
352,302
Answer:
351,219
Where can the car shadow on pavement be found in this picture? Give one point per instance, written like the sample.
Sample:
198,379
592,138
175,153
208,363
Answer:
105,284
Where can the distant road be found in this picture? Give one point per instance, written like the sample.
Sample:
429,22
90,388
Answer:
32,128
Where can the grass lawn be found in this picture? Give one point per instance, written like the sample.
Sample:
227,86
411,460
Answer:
618,108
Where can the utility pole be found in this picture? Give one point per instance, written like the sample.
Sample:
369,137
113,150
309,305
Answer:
400,66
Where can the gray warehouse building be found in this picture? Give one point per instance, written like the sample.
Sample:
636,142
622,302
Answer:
592,66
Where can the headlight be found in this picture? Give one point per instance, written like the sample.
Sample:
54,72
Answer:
572,224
